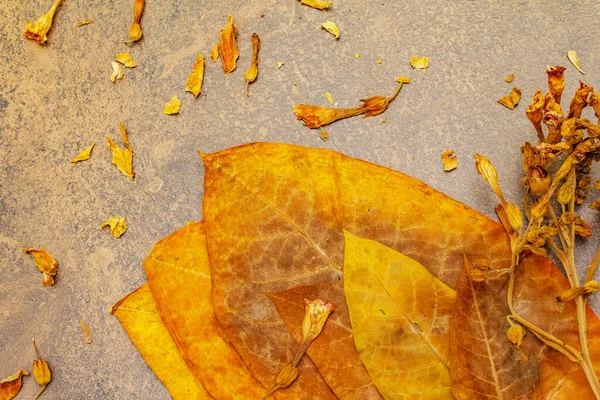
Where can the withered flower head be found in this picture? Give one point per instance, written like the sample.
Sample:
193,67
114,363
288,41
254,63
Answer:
535,113
515,334
40,28
316,314
41,371
583,96
594,101
570,127
556,81
587,289
135,30
565,192
539,181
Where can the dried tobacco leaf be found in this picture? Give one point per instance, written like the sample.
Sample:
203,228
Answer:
332,28
84,155
333,352
117,73
419,63
173,106
41,371
252,72
274,218
214,53
449,160
512,99
179,276
116,225
84,22
227,46
483,361
10,386
135,30
400,316
194,82
126,60
86,331
45,263
329,98
318,4
572,55
315,116
122,158
139,317
509,78
40,28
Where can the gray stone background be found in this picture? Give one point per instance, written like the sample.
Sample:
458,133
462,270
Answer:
57,99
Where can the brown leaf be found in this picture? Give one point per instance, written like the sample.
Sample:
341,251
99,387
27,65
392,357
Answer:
122,158
512,99
194,82
227,46
484,364
275,215
333,352
179,275
10,386
139,317
45,263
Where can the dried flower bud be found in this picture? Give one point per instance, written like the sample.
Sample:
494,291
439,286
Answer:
539,210
515,334
582,228
535,113
539,181
553,117
375,105
565,193
41,371
40,28
556,81
514,216
583,96
287,376
587,289
316,314
489,173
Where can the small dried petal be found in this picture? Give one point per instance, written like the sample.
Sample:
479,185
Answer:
40,28
84,22
515,334
280,64
45,263
117,73
173,106
419,63
587,289
214,53
556,81
318,4
126,60
583,95
379,61
539,181
512,99
403,79
228,47
86,331
324,135
252,72
116,225
449,160
316,314
122,158
10,386
194,81
332,28
509,78
535,113
356,55
572,55
329,98
595,205
84,155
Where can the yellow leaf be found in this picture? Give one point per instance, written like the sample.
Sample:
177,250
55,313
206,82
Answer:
139,317
194,82
126,60
117,226
214,53
122,158
178,272
10,387
45,263
419,63
400,315
84,155
318,4
332,28
172,106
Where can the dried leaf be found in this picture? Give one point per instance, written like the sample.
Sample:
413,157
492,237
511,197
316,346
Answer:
117,73
512,99
332,28
194,82
40,28
173,106
333,352
122,158
324,135
139,317
45,263
10,387
84,155
400,316
483,361
84,22
41,371
274,218
572,55
214,53
135,30
126,60
252,72
509,78
179,275
117,226
449,160
318,4
280,64
227,46
419,63
86,331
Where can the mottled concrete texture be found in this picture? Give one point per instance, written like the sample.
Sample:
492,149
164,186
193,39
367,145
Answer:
57,99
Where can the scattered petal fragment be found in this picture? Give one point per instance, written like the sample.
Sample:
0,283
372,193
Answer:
41,371
329,98
252,72
324,135
117,73
10,387
509,78
194,82
172,106
228,47
84,22
332,28
214,53
117,226
379,61
512,99
575,60
126,60
40,28
280,64
84,155
356,55
87,332
135,30
45,263
318,4
419,63
122,158
449,160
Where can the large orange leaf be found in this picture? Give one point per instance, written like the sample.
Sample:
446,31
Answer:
139,317
179,277
275,216
400,316
333,351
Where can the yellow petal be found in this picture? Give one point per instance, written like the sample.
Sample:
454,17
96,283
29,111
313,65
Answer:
126,60
117,73
356,55
228,47
449,160
280,64
122,158
509,78
172,106
332,28
329,98
117,226
84,155
139,317
40,28
214,53
380,61
45,263
318,4
194,82
575,60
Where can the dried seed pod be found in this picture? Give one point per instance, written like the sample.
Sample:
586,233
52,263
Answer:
539,181
41,371
514,216
565,193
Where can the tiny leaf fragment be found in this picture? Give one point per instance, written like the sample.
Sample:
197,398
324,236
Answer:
84,22
126,60
419,63
449,160
324,135
86,331
511,100
329,98
173,106
84,155
280,64
509,78
45,263
116,225
122,158
332,28
214,53
194,82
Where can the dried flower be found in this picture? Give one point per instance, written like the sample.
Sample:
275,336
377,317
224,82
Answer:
117,73
556,81
512,99
540,208
419,63
126,60
595,205
515,334
582,228
173,106
286,377
514,216
594,101
40,28
318,4
587,289
539,181
194,81
41,371
228,47
535,113
45,263
449,160
332,28
252,72
135,30
583,95
572,55
509,78
565,192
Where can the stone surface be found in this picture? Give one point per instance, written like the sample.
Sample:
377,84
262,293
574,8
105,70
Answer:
57,99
